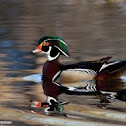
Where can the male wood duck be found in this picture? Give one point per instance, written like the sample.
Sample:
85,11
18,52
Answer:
56,74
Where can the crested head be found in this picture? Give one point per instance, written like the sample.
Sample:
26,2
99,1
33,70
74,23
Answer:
45,38
55,41
53,46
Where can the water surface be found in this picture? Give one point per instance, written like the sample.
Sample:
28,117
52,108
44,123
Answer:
92,30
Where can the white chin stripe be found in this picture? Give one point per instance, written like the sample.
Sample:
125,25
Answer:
56,39
49,58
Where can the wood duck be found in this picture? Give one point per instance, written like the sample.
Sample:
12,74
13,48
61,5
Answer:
58,78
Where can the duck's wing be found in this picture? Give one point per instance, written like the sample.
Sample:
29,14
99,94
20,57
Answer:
81,71
92,65
78,72
71,77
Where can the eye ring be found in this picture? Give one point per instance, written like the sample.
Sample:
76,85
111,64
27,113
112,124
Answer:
46,44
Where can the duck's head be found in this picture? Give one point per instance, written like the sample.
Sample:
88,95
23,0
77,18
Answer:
53,46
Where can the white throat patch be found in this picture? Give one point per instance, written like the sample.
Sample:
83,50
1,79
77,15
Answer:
49,58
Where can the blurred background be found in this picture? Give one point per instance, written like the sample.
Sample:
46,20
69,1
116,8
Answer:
92,28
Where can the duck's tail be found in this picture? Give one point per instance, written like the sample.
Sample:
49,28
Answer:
113,69
103,60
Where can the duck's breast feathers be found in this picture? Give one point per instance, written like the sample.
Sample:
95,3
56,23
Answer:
50,69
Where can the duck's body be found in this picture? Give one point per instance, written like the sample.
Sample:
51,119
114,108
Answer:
57,75
57,78
82,71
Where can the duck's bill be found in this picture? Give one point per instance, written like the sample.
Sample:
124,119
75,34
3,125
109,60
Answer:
36,51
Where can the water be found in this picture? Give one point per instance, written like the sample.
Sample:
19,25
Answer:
92,30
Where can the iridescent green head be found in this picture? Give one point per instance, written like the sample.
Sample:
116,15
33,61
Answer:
55,41
52,44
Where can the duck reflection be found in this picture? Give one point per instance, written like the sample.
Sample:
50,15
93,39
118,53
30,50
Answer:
105,90
112,88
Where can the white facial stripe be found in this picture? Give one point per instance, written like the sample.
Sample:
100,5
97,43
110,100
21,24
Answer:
48,53
56,39
61,51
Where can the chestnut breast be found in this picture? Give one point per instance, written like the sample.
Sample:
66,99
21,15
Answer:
49,71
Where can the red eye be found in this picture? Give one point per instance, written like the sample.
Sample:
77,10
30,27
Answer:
45,44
